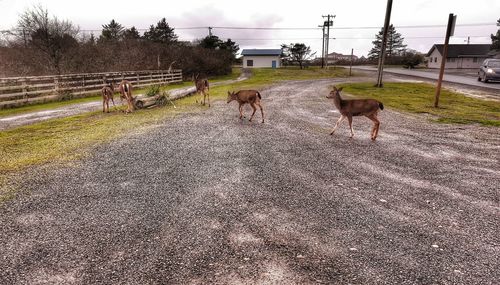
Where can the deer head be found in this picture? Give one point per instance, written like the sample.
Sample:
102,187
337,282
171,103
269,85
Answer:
334,92
231,96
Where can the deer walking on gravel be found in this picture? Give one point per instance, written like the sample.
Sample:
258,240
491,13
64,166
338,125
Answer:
356,107
243,97
107,94
202,88
125,88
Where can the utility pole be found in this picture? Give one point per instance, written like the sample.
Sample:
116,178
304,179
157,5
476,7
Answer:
350,66
323,48
384,43
328,24
450,29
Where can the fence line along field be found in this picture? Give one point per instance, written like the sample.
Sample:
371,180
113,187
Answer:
20,91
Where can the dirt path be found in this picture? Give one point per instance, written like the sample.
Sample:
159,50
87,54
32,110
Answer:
216,200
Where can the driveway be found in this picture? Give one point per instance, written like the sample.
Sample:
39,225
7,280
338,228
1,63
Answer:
208,199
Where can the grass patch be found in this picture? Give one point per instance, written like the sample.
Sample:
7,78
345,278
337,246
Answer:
66,139
419,98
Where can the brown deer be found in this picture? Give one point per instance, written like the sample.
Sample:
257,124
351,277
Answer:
251,97
202,88
125,88
356,107
107,94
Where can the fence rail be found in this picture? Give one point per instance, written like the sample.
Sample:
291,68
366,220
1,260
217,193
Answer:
20,91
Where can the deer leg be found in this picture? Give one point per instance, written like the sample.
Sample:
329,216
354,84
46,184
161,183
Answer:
349,119
376,125
103,105
342,117
241,111
107,105
208,96
262,112
254,109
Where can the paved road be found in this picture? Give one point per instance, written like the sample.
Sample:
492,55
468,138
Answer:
452,78
207,199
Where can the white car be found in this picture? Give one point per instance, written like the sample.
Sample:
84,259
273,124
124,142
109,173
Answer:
489,70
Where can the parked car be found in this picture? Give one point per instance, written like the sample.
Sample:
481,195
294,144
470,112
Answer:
489,70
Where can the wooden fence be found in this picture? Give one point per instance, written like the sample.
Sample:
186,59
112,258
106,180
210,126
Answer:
20,91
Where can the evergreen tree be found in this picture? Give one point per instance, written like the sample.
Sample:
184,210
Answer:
111,32
161,33
131,34
211,42
394,46
230,46
495,39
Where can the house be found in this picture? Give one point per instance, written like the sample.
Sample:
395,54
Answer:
459,56
335,57
255,58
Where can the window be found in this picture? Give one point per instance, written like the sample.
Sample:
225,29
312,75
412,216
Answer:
431,59
249,62
474,59
435,59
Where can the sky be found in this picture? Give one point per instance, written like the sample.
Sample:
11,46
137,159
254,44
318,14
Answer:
355,24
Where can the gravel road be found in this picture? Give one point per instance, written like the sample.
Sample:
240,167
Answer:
208,199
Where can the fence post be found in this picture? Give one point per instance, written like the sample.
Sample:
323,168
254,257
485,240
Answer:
56,84
25,88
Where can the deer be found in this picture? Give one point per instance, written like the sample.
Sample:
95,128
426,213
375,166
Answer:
356,107
243,97
202,87
125,88
107,94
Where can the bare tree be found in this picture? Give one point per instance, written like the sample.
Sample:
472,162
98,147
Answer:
51,36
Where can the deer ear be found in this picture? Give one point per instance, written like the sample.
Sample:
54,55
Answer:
340,89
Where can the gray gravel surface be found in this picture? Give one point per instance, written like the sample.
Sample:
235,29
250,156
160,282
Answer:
208,199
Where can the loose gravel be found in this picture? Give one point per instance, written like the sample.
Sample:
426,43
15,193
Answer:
208,199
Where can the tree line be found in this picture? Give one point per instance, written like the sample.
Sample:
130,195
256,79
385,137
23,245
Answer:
42,45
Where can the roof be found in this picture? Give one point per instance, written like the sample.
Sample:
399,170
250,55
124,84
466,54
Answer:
463,50
261,52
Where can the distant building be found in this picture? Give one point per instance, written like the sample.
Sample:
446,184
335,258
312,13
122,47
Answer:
335,57
459,56
256,58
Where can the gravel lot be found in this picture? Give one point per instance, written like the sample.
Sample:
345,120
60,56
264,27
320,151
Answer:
209,199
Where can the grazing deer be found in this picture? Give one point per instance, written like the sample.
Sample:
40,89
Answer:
251,97
125,88
202,88
107,94
356,107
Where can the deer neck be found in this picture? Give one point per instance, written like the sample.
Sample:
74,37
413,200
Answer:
337,101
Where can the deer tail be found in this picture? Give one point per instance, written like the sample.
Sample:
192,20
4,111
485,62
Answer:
381,105
258,94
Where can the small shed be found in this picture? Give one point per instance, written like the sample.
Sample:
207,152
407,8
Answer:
459,55
257,58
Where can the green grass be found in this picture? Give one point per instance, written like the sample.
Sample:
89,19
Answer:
419,98
66,139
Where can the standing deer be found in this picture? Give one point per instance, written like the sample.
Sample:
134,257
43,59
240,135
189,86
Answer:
202,88
251,97
356,107
107,94
125,88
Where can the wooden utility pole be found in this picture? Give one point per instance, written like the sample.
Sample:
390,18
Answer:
449,32
384,43
350,66
323,48
328,24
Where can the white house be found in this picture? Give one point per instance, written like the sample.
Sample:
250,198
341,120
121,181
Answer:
459,56
255,58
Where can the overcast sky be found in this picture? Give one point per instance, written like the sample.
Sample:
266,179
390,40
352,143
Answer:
352,14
